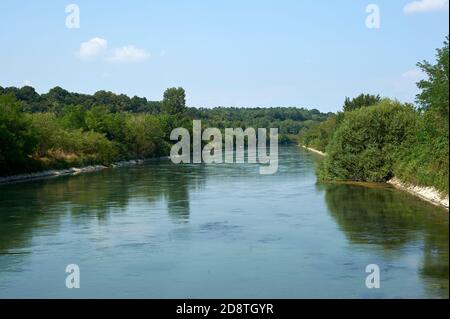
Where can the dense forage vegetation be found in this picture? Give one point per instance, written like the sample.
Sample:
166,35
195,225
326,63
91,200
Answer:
374,140
61,129
16,138
365,144
426,160
360,101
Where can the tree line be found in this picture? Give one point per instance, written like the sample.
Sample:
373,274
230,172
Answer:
62,129
374,139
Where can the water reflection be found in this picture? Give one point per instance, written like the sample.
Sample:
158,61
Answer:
26,207
393,220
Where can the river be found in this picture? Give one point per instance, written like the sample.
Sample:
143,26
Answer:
161,230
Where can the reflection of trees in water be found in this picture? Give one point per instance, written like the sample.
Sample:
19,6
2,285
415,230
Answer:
392,219
15,227
27,207
179,181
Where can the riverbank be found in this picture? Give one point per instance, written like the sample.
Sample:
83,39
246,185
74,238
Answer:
429,194
72,171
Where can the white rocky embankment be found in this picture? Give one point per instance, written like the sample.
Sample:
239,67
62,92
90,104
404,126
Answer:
69,171
313,150
429,194
51,173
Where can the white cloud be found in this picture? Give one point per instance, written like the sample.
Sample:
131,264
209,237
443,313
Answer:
406,83
98,47
426,6
27,83
92,48
128,53
413,75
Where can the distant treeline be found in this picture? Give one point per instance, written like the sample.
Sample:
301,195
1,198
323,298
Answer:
290,121
58,98
60,129
375,139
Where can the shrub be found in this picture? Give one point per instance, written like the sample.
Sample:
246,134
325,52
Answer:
16,137
319,135
48,131
367,142
143,135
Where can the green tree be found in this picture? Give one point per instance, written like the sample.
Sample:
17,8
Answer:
90,147
48,132
360,101
17,140
73,117
32,101
366,143
433,98
425,162
174,101
435,89
57,98
101,120
319,135
143,135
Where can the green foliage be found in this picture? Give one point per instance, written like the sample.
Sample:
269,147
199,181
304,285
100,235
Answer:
92,147
101,120
426,160
16,137
389,139
57,99
425,163
63,129
143,135
365,144
434,93
59,146
73,117
289,120
319,135
98,112
48,131
360,101
174,101
32,101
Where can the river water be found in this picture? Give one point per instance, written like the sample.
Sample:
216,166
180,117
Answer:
161,230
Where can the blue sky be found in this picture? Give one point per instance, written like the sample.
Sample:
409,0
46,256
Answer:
232,53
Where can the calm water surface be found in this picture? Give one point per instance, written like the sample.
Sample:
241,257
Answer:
195,231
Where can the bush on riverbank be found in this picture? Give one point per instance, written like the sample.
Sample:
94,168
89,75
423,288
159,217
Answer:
364,147
16,138
318,136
